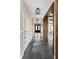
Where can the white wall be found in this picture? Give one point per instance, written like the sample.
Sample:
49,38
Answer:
25,28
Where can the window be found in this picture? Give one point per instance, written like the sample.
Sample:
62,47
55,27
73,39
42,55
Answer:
50,28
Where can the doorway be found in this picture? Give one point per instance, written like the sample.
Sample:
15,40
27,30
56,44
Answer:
37,32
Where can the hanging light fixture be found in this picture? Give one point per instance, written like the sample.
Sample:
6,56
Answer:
37,11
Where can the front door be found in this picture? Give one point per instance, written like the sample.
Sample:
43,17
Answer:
37,28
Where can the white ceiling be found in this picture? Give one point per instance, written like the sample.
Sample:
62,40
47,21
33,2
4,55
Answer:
44,5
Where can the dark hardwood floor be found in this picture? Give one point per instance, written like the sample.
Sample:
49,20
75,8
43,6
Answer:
38,50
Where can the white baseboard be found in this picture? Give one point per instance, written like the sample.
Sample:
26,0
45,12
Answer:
27,43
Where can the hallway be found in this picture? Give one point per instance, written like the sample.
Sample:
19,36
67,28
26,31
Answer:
38,21
38,50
